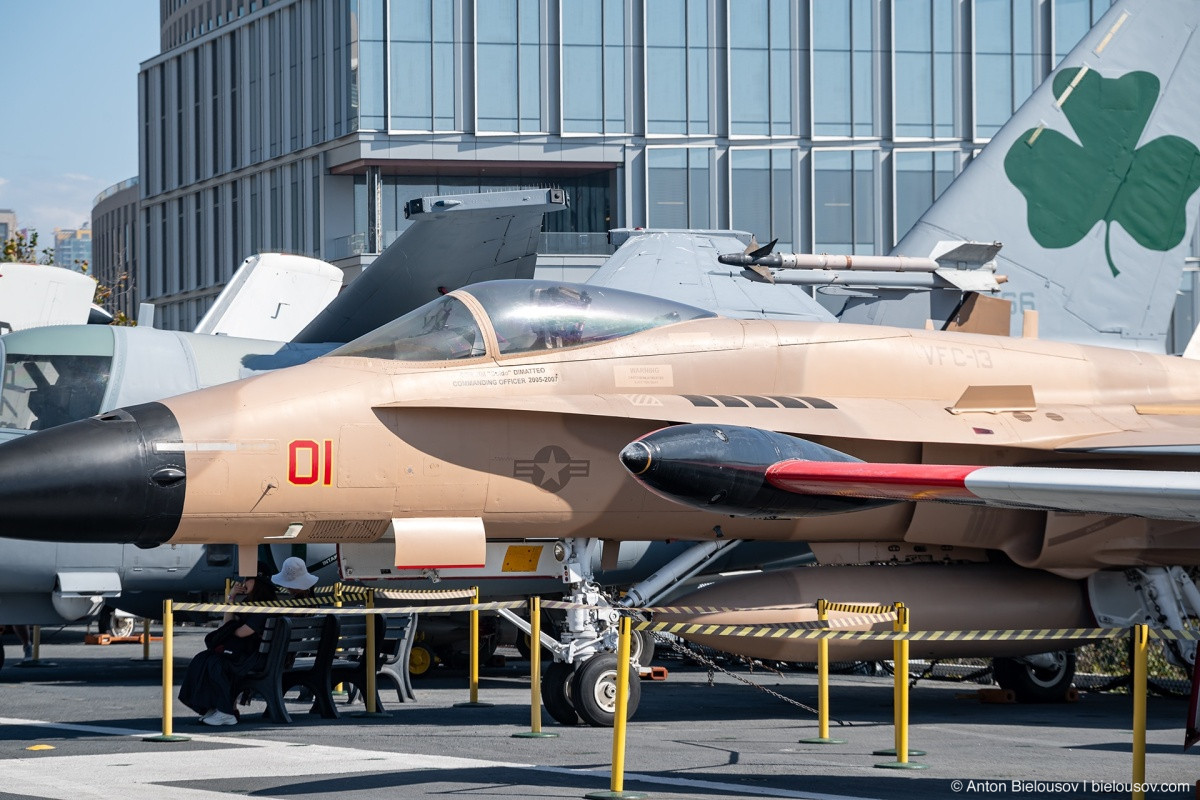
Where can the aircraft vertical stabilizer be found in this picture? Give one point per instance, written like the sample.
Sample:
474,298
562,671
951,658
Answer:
453,240
1090,187
272,296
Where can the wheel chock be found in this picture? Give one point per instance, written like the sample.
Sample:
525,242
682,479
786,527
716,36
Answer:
653,673
108,638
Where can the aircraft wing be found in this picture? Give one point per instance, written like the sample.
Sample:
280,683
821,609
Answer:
683,266
1150,493
453,240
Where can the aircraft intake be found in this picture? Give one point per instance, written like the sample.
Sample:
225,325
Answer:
722,469
106,471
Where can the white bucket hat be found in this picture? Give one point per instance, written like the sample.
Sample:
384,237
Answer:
294,575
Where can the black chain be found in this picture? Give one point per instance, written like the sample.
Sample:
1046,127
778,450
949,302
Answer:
713,667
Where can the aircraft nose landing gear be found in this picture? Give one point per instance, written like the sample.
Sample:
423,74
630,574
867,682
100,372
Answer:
556,693
594,691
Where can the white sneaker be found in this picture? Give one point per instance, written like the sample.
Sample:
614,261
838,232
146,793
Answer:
219,718
205,715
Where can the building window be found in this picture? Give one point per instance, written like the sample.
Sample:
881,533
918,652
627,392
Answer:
761,78
422,58
593,66
921,177
1073,19
844,205
1005,62
370,65
508,71
923,71
844,67
254,87
679,187
763,186
677,67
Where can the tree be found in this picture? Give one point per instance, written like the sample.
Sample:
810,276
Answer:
23,249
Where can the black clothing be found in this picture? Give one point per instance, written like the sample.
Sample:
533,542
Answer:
208,682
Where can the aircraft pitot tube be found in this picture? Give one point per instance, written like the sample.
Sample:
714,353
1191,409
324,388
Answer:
723,469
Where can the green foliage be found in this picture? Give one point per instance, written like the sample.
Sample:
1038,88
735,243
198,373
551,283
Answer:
1106,177
20,248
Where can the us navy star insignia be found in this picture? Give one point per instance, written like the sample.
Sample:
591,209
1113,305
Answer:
551,468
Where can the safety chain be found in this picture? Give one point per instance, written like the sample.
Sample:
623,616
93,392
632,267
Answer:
714,667
970,677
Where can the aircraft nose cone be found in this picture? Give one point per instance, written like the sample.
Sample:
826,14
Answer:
636,457
112,478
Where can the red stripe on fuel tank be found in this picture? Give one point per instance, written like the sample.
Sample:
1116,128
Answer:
861,479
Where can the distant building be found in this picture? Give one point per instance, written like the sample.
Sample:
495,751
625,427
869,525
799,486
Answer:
8,224
304,125
73,247
114,244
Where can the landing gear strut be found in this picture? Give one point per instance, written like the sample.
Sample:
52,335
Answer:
581,684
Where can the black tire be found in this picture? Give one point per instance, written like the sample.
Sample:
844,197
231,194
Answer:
641,647
594,690
522,645
556,693
1036,685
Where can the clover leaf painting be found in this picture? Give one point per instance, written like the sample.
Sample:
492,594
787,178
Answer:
1070,186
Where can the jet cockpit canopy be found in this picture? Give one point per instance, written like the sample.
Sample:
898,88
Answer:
525,316
52,376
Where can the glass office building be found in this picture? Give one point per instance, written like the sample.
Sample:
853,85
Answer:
304,125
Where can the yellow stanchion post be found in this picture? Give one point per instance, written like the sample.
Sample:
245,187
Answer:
168,679
900,693
822,736
474,668
35,646
339,690
370,691
616,789
1141,641
535,674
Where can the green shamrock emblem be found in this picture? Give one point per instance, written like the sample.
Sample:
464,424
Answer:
1068,187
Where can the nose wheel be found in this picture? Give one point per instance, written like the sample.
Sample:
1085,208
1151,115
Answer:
556,693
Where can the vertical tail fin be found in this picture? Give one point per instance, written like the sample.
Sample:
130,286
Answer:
1090,186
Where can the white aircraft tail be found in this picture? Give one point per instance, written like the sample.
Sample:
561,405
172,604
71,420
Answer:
33,295
1090,187
272,296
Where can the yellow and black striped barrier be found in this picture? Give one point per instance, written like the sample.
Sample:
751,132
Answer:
788,632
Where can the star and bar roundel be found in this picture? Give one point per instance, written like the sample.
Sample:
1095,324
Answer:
551,468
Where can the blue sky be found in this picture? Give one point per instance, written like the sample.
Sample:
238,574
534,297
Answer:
69,129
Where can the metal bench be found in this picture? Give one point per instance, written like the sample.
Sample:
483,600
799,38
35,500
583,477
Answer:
295,651
393,637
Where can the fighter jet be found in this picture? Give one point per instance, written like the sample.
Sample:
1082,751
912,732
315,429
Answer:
55,373
498,412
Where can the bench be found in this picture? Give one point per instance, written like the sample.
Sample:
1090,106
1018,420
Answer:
295,651
391,662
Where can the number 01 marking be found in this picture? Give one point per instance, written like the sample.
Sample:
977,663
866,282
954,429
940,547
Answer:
309,462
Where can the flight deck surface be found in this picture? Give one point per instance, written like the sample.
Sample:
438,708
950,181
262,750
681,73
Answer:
688,739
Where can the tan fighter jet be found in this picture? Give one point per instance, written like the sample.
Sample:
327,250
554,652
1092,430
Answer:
506,411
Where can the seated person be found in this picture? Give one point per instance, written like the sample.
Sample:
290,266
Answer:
207,686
